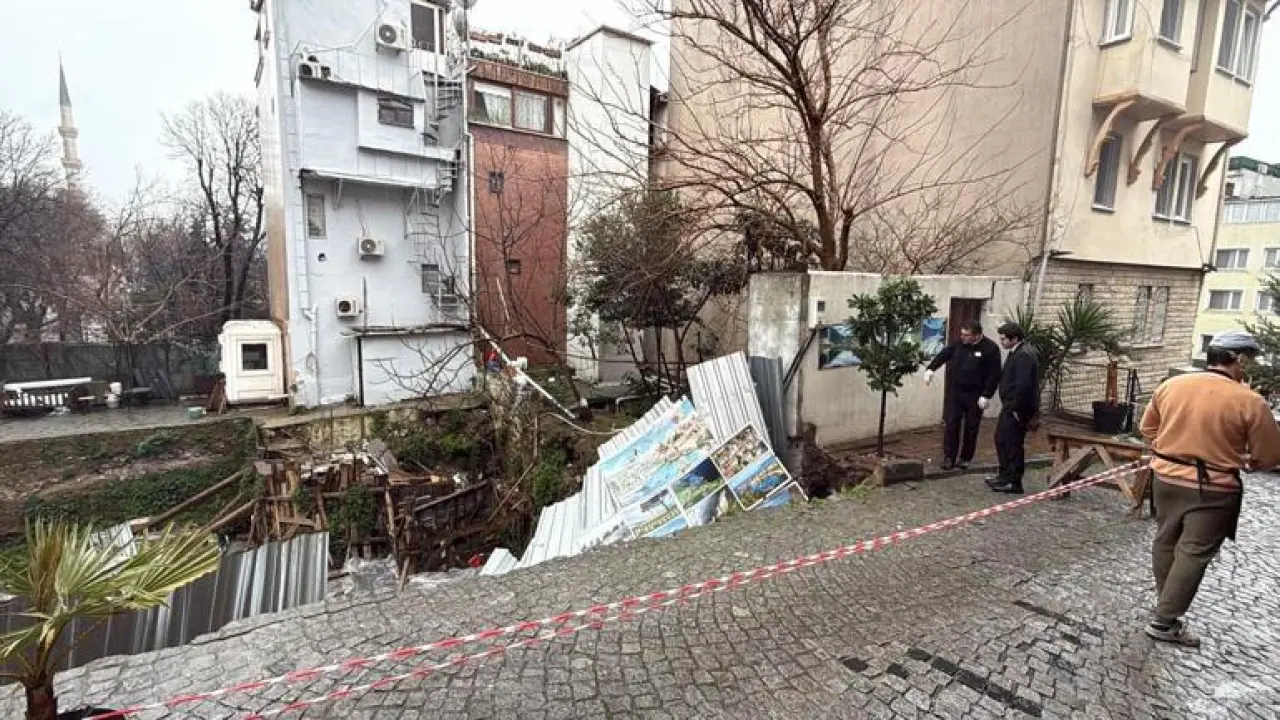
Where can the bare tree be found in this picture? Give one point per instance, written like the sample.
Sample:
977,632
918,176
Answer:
832,119
217,139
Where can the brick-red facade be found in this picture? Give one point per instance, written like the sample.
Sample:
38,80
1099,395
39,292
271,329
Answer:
521,227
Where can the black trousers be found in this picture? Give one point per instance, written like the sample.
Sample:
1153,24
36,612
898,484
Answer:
1011,437
961,412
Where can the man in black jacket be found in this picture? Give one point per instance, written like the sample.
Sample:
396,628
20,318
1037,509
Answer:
973,373
1020,407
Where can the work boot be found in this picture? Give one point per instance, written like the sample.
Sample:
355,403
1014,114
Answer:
1175,633
1008,487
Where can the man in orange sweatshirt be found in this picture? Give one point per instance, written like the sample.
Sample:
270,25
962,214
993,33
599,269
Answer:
1203,429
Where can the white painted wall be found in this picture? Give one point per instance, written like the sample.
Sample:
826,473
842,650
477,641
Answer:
608,135
316,133
838,402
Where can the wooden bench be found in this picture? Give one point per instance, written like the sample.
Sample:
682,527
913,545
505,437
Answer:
1076,452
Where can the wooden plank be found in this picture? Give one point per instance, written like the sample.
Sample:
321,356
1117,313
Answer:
1105,456
1075,465
173,512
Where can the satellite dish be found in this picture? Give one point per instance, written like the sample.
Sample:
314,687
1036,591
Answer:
468,4
460,24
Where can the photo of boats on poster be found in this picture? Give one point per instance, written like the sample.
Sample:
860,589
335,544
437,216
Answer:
663,454
755,475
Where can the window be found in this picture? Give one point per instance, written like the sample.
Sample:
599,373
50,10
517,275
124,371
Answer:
426,27
440,287
1084,292
253,356
1230,35
1251,211
1231,259
497,181
1119,20
1104,185
1204,344
1171,21
532,112
1199,36
1271,259
393,111
1266,303
558,117
514,267
1238,46
1177,193
1231,190
1150,311
491,104
315,215
1225,299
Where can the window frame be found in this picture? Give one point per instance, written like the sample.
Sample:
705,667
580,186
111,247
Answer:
1237,294
391,112
1114,12
1181,9
1178,190
1234,253
266,357
516,95
496,91
1238,44
1110,159
1271,258
437,30
312,233
440,286
497,182
1257,303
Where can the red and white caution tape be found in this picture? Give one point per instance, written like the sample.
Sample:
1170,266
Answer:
596,615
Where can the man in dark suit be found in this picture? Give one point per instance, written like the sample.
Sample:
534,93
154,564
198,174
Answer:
1020,408
973,373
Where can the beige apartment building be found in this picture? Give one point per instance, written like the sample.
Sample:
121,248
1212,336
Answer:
1115,119
1246,254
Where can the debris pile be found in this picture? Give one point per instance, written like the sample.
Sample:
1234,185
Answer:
683,464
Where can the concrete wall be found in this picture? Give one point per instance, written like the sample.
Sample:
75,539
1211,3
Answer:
324,137
608,155
837,401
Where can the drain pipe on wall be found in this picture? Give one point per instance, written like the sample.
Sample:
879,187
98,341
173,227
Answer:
1064,69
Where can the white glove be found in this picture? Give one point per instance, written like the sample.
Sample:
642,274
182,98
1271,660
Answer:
928,377
983,403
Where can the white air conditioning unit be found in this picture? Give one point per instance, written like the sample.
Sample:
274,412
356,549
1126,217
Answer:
347,306
371,248
392,36
310,68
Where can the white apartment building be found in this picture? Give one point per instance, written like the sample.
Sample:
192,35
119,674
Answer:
364,150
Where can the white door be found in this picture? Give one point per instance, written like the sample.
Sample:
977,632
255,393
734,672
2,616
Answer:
257,369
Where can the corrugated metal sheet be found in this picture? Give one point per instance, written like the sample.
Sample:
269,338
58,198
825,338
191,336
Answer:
619,441
267,579
767,373
501,561
725,396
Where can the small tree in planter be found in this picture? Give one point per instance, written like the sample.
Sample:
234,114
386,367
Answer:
66,576
886,327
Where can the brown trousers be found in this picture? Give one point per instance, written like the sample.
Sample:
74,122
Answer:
1191,526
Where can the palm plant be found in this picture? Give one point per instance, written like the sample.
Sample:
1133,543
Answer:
68,575
1080,325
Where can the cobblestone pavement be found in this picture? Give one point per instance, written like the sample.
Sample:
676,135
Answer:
1034,613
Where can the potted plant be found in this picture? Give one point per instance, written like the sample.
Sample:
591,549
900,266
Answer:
67,575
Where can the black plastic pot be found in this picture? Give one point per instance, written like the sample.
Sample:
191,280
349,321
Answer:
1110,419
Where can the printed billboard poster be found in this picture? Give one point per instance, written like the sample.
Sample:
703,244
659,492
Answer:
785,495
739,451
758,479
699,493
657,516
933,335
837,348
664,453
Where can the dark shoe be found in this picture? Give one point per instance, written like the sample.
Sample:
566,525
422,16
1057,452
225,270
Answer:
1175,634
1010,488
948,464
993,481
963,464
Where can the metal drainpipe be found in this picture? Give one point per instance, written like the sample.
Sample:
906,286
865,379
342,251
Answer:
1064,70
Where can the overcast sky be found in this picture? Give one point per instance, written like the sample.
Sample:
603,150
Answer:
128,61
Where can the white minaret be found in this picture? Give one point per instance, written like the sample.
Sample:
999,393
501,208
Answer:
70,151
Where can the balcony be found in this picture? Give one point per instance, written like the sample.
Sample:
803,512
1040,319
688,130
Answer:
1143,77
1218,103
